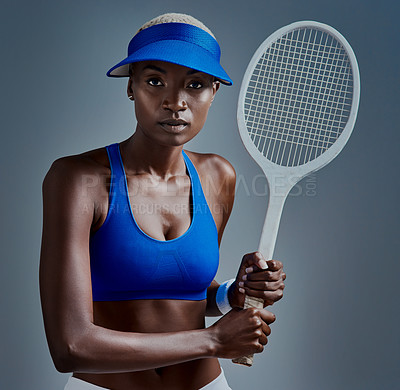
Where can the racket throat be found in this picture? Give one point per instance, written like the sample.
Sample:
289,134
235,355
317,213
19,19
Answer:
271,225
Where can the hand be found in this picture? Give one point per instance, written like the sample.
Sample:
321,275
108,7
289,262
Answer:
241,332
258,278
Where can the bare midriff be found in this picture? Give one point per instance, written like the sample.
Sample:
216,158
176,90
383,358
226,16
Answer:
154,316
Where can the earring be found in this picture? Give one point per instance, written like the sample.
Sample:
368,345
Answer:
130,97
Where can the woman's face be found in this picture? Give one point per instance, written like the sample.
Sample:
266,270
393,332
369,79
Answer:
171,101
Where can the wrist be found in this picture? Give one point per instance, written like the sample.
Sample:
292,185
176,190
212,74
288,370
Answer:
231,289
222,297
210,342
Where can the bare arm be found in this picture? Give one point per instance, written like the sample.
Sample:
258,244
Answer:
75,342
222,195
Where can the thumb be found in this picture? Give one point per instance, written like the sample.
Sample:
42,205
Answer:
254,261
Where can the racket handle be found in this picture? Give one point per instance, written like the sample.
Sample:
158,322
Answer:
249,302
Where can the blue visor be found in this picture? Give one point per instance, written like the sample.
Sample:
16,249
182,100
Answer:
179,43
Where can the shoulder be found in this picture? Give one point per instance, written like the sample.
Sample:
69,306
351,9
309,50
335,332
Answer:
214,167
69,172
90,162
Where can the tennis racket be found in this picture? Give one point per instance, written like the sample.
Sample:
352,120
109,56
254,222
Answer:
297,107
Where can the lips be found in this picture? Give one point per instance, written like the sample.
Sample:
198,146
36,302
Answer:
174,125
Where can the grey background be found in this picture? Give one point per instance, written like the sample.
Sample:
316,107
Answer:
337,326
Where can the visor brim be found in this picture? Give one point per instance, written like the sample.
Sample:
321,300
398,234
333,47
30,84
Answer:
178,52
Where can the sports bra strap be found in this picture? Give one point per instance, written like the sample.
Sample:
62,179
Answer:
118,192
115,161
195,180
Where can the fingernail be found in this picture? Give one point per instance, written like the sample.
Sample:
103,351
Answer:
244,277
263,264
241,284
249,269
241,290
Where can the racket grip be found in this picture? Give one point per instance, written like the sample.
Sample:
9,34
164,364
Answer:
249,302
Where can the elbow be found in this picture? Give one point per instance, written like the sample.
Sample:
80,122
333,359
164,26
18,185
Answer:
71,351
65,358
62,365
68,357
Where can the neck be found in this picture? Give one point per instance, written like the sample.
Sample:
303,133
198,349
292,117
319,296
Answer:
142,155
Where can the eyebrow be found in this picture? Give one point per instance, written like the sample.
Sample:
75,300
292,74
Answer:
192,71
163,71
156,68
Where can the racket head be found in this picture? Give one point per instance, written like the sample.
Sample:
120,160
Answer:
300,92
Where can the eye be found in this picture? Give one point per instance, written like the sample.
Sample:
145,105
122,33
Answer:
154,82
195,84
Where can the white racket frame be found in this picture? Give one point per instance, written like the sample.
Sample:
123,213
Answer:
287,177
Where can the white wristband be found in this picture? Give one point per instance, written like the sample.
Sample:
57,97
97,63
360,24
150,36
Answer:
221,298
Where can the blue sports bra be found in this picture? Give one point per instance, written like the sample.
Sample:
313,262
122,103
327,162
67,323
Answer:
126,263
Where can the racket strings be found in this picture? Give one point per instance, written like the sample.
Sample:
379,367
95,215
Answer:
299,97
304,120
299,143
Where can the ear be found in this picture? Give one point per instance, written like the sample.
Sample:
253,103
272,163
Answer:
216,85
129,90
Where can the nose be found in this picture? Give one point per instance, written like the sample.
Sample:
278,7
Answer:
174,100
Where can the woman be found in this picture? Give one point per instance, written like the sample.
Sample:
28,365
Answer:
131,234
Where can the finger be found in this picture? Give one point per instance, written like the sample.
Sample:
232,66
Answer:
260,348
274,265
254,261
262,285
263,340
261,337
269,297
270,276
268,317
266,329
